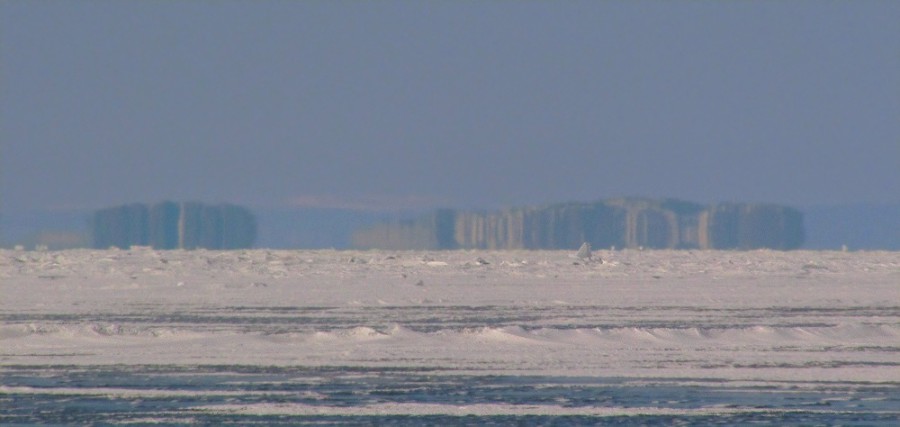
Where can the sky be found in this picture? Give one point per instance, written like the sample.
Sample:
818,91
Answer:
418,104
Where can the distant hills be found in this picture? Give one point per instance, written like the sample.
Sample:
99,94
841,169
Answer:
858,226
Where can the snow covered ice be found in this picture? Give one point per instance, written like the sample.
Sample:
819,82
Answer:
663,335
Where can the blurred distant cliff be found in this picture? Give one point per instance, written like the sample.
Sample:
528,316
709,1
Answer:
170,225
623,223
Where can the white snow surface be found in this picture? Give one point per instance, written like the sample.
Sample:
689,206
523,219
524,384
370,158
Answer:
757,316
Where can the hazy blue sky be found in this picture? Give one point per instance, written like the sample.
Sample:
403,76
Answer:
454,103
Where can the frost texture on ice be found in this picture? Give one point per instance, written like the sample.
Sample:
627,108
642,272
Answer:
387,336
761,315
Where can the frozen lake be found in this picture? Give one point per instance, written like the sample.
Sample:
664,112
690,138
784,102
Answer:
533,337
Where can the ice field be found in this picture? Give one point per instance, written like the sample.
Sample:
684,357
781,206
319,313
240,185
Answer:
385,337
